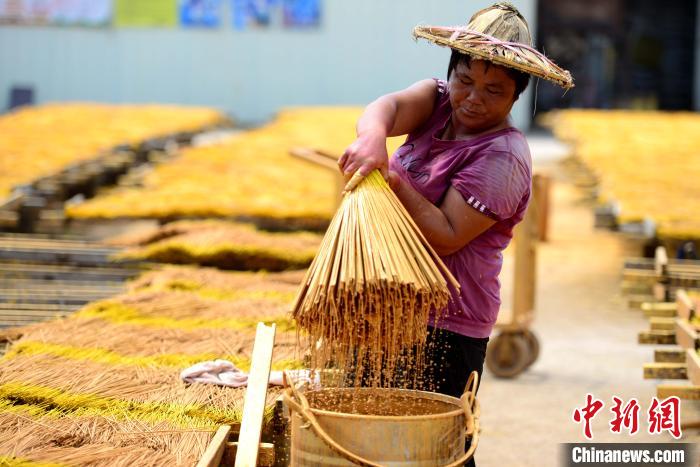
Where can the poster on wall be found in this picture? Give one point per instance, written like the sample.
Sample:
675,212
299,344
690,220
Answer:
75,12
301,13
200,13
278,13
11,11
253,13
57,12
145,13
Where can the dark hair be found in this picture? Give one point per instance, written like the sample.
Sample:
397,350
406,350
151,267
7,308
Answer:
520,77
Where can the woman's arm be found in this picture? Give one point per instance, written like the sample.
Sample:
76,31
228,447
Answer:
394,114
447,227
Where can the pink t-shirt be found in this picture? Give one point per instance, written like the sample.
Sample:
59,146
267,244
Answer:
493,174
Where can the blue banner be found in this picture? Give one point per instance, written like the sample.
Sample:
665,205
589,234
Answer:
302,13
200,13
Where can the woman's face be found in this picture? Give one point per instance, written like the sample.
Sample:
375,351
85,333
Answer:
481,95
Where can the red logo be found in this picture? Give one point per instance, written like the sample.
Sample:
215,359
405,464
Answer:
587,412
627,417
665,416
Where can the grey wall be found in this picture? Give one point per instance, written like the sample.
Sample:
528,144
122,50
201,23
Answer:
362,49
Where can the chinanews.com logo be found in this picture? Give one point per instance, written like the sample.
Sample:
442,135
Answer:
657,417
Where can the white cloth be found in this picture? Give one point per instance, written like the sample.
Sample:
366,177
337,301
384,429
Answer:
225,373
219,372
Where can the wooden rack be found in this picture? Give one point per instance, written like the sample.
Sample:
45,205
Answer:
38,206
43,278
680,362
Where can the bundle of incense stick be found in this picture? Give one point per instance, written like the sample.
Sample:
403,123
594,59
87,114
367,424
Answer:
367,295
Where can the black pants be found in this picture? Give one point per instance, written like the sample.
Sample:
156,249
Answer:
450,359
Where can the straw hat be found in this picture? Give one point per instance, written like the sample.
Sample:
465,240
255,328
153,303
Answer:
501,35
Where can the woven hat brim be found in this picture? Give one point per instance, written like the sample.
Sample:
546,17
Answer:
514,56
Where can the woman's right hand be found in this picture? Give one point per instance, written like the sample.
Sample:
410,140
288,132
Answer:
366,153
394,114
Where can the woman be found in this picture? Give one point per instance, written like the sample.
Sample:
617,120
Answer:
464,172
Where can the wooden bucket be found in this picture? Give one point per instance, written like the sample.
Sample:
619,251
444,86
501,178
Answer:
375,426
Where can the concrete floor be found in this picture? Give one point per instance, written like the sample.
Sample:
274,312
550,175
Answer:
588,338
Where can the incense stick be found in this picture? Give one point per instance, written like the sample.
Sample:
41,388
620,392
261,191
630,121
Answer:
370,289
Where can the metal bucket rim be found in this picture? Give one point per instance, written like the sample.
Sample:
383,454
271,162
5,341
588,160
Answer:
433,395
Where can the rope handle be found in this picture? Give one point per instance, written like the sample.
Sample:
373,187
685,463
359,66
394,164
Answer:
291,395
470,405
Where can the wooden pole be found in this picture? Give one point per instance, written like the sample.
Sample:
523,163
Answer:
215,451
255,397
327,161
525,266
541,194
686,307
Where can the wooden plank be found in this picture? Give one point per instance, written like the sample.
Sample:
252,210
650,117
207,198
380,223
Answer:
645,264
684,267
525,273
12,202
639,276
659,310
685,391
660,261
215,450
657,337
10,314
690,425
72,301
541,194
21,323
686,335
327,161
8,219
693,363
660,292
39,285
72,292
636,301
24,241
43,237
315,157
65,272
669,356
255,396
684,274
266,454
665,371
55,256
662,324
635,288
664,306
30,306
685,306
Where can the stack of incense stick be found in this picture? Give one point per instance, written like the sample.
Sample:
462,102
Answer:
366,298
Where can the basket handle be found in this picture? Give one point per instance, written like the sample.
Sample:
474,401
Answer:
291,395
472,412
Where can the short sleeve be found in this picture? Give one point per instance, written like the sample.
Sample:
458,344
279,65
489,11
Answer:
494,184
